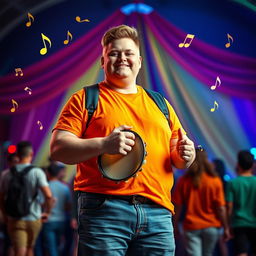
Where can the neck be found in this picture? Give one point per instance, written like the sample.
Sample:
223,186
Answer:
245,173
122,86
26,160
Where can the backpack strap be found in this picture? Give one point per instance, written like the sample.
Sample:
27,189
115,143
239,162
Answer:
160,102
91,100
92,97
23,172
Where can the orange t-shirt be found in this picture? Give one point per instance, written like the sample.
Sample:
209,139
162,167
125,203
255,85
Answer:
139,111
200,203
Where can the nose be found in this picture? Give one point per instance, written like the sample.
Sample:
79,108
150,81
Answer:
122,56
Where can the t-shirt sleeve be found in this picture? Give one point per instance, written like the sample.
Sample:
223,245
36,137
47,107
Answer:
229,193
219,193
73,116
174,121
41,178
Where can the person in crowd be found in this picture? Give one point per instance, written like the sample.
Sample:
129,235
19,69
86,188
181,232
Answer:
24,230
12,160
200,191
54,228
132,217
220,168
241,202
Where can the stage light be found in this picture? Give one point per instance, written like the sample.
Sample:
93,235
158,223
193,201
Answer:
226,177
253,151
11,149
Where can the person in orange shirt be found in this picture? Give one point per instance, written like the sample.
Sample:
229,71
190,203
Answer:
132,217
200,190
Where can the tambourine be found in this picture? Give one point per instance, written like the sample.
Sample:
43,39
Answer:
120,167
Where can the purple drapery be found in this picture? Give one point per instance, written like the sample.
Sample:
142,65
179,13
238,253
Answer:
49,78
206,62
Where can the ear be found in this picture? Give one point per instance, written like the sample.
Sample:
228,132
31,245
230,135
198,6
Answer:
102,61
140,59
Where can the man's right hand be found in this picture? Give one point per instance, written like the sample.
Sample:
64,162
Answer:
119,141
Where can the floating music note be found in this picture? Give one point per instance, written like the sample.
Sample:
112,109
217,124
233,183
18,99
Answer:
30,19
78,19
17,70
14,105
43,51
217,83
40,125
27,89
185,43
230,38
216,105
69,35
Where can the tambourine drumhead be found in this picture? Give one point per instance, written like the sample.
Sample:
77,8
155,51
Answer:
121,167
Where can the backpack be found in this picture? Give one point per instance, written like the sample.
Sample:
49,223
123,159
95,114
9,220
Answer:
17,202
92,97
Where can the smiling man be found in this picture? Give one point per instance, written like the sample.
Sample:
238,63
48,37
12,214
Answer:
132,217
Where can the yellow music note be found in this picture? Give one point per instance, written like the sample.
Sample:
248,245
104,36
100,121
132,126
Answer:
185,44
69,35
30,19
27,89
40,125
78,19
217,83
216,105
14,105
17,70
43,51
230,38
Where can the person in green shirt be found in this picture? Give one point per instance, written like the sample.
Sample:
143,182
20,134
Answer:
241,203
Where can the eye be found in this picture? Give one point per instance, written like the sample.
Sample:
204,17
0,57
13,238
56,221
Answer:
129,53
114,54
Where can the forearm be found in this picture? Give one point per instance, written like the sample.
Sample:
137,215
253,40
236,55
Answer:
222,213
73,150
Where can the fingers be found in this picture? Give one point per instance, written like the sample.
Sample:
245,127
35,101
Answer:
185,148
120,141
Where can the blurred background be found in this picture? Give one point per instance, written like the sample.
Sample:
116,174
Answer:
51,48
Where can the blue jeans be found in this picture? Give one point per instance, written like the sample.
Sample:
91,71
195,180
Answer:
201,242
52,233
116,227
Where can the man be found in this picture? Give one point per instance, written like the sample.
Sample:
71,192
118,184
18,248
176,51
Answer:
54,228
24,231
241,201
133,217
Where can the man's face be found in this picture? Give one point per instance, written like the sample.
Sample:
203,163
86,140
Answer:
121,60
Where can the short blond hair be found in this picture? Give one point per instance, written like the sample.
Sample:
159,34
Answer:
122,31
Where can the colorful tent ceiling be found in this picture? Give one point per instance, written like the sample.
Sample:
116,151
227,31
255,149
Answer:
183,75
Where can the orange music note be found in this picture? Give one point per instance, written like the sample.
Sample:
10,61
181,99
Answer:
43,51
185,44
217,83
27,89
230,38
15,105
69,35
216,105
40,125
78,19
30,19
17,70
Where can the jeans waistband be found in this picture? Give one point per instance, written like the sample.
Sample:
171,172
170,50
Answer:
132,199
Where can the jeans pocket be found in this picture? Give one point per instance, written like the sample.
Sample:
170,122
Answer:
87,203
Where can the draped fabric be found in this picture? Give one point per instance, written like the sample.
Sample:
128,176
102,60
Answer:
183,75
